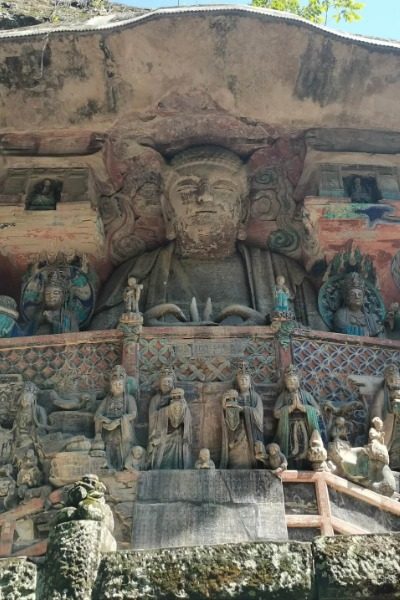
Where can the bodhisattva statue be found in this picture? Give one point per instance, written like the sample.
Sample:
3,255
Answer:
242,424
132,295
170,429
31,418
115,419
206,269
353,317
298,415
55,316
45,195
386,406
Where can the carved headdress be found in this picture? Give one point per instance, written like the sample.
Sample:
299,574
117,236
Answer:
118,372
243,368
353,281
168,372
291,370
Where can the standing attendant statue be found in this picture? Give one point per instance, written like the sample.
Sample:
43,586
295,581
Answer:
242,424
170,428
282,297
115,419
132,295
298,415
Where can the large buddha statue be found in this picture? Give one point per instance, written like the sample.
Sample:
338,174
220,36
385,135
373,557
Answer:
206,273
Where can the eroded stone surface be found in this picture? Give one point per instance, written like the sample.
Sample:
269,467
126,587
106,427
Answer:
273,571
17,579
357,567
72,560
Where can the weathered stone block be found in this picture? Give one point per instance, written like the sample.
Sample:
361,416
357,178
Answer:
72,560
273,571
17,579
349,567
194,508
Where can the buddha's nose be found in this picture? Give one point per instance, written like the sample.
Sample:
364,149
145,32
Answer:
204,194
204,197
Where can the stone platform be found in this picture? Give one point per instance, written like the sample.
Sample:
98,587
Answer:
195,508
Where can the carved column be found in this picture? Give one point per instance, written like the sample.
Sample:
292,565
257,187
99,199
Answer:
130,347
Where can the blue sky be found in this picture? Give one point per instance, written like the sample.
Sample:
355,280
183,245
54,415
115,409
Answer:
381,18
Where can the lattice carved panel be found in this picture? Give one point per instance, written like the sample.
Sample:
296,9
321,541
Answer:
208,360
83,365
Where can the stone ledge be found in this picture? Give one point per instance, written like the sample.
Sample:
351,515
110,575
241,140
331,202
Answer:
345,567
262,570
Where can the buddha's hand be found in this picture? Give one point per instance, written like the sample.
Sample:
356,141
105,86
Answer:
153,316
250,316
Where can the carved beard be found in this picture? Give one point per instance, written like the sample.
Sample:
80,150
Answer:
206,238
232,417
176,413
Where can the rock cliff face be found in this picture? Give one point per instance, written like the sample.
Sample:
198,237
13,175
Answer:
27,13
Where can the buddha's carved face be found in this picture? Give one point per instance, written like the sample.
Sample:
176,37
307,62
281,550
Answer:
27,399
243,382
292,382
354,298
117,385
166,384
53,297
206,198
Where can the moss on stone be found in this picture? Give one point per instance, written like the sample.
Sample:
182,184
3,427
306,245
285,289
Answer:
273,571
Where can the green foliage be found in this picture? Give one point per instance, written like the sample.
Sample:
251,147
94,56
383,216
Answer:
317,11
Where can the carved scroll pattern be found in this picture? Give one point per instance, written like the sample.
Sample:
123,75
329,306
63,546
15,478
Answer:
86,365
208,360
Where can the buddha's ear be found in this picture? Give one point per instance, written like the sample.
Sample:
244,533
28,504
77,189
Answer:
169,218
244,217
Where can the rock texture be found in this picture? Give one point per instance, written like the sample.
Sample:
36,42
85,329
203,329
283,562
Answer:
358,567
72,560
366,567
17,579
270,571
27,13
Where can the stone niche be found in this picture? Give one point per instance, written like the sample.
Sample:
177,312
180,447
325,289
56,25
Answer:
377,183
52,203
195,508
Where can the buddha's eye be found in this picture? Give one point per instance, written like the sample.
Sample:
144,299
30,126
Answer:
224,186
187,193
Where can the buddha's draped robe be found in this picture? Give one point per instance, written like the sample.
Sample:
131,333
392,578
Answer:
247,278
